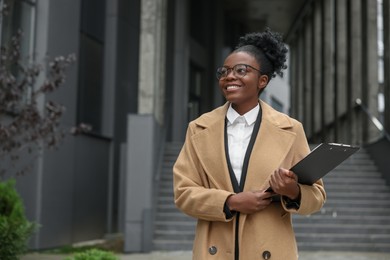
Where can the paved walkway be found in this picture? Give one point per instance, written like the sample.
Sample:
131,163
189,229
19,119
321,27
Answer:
186,255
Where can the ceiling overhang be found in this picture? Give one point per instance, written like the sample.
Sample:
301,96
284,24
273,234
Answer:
255,15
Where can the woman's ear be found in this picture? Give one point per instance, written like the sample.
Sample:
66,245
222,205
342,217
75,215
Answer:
263,81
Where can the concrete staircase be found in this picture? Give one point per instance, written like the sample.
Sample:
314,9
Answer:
356,216
173,229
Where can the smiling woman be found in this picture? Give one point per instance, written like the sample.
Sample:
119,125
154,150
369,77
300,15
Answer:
242,88
264,54
234,155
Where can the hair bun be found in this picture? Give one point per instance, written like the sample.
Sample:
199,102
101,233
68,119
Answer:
271,44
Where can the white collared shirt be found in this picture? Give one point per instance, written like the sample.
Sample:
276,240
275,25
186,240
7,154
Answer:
239,132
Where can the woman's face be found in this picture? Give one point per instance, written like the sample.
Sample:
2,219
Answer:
242,92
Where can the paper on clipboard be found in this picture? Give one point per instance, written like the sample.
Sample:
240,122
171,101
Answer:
321,160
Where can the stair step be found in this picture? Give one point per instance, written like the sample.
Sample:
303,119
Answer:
343,246
172,244
354,181
356,210
359,195
334,227
344,187
340,219
175,226
342,238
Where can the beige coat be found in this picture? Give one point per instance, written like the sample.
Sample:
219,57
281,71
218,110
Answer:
202,185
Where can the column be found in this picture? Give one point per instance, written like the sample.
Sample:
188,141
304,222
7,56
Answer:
386,56
308,79
299,86
328,89
317,42
340,28
152,58
138,183
370,69
355,63
181,54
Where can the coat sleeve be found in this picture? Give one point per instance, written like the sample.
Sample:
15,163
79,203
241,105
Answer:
192,192
312,196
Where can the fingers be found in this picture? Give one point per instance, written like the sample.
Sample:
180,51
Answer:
250,202
264,199
283,181
291,175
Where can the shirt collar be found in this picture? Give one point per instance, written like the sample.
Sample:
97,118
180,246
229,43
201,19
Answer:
250,116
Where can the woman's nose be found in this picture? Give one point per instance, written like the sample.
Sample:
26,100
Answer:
230,74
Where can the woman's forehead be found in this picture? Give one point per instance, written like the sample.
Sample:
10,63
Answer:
240,57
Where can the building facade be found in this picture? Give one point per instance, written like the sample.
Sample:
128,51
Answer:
145,68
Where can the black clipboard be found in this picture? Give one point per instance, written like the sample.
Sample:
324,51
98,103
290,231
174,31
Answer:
321,160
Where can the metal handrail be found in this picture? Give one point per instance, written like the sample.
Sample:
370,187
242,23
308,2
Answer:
373,119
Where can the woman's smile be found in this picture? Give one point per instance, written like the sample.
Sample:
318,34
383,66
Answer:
232,87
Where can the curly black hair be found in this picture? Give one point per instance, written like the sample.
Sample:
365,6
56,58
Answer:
268,49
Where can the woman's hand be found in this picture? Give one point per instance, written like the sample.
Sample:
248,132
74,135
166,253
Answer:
249,202
285,182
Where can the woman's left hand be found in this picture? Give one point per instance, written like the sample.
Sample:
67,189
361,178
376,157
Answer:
285,182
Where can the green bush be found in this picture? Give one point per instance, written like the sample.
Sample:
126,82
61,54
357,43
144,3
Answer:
93,254
15,229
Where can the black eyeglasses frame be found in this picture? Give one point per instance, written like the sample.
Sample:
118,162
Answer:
229,69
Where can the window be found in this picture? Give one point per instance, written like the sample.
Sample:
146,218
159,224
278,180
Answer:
195,94
18,15
91,63
15,16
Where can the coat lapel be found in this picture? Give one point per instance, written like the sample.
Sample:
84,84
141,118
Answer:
209,146
271,147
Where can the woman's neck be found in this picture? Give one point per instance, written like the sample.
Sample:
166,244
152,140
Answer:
243,109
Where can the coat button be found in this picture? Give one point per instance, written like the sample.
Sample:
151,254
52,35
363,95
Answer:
213,250
266,255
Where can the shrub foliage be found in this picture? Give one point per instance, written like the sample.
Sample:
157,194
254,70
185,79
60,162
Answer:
15,229
93,254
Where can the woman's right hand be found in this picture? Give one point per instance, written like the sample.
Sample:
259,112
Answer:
249,202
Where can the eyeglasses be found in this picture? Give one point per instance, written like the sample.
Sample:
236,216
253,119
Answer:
239,70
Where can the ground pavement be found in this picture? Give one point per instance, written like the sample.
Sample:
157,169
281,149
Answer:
186,255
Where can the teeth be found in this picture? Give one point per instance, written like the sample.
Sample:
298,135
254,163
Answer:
232,87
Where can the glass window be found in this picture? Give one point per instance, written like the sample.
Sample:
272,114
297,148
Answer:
18,15
90,83
195,93
90,96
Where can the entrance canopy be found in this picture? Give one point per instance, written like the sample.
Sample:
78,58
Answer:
279,15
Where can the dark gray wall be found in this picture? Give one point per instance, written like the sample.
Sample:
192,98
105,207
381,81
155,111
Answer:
66,190
57,33
90,188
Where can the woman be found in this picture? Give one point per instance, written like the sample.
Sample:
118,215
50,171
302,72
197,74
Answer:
235,160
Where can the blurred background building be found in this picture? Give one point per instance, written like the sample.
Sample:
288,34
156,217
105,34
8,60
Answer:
145,68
